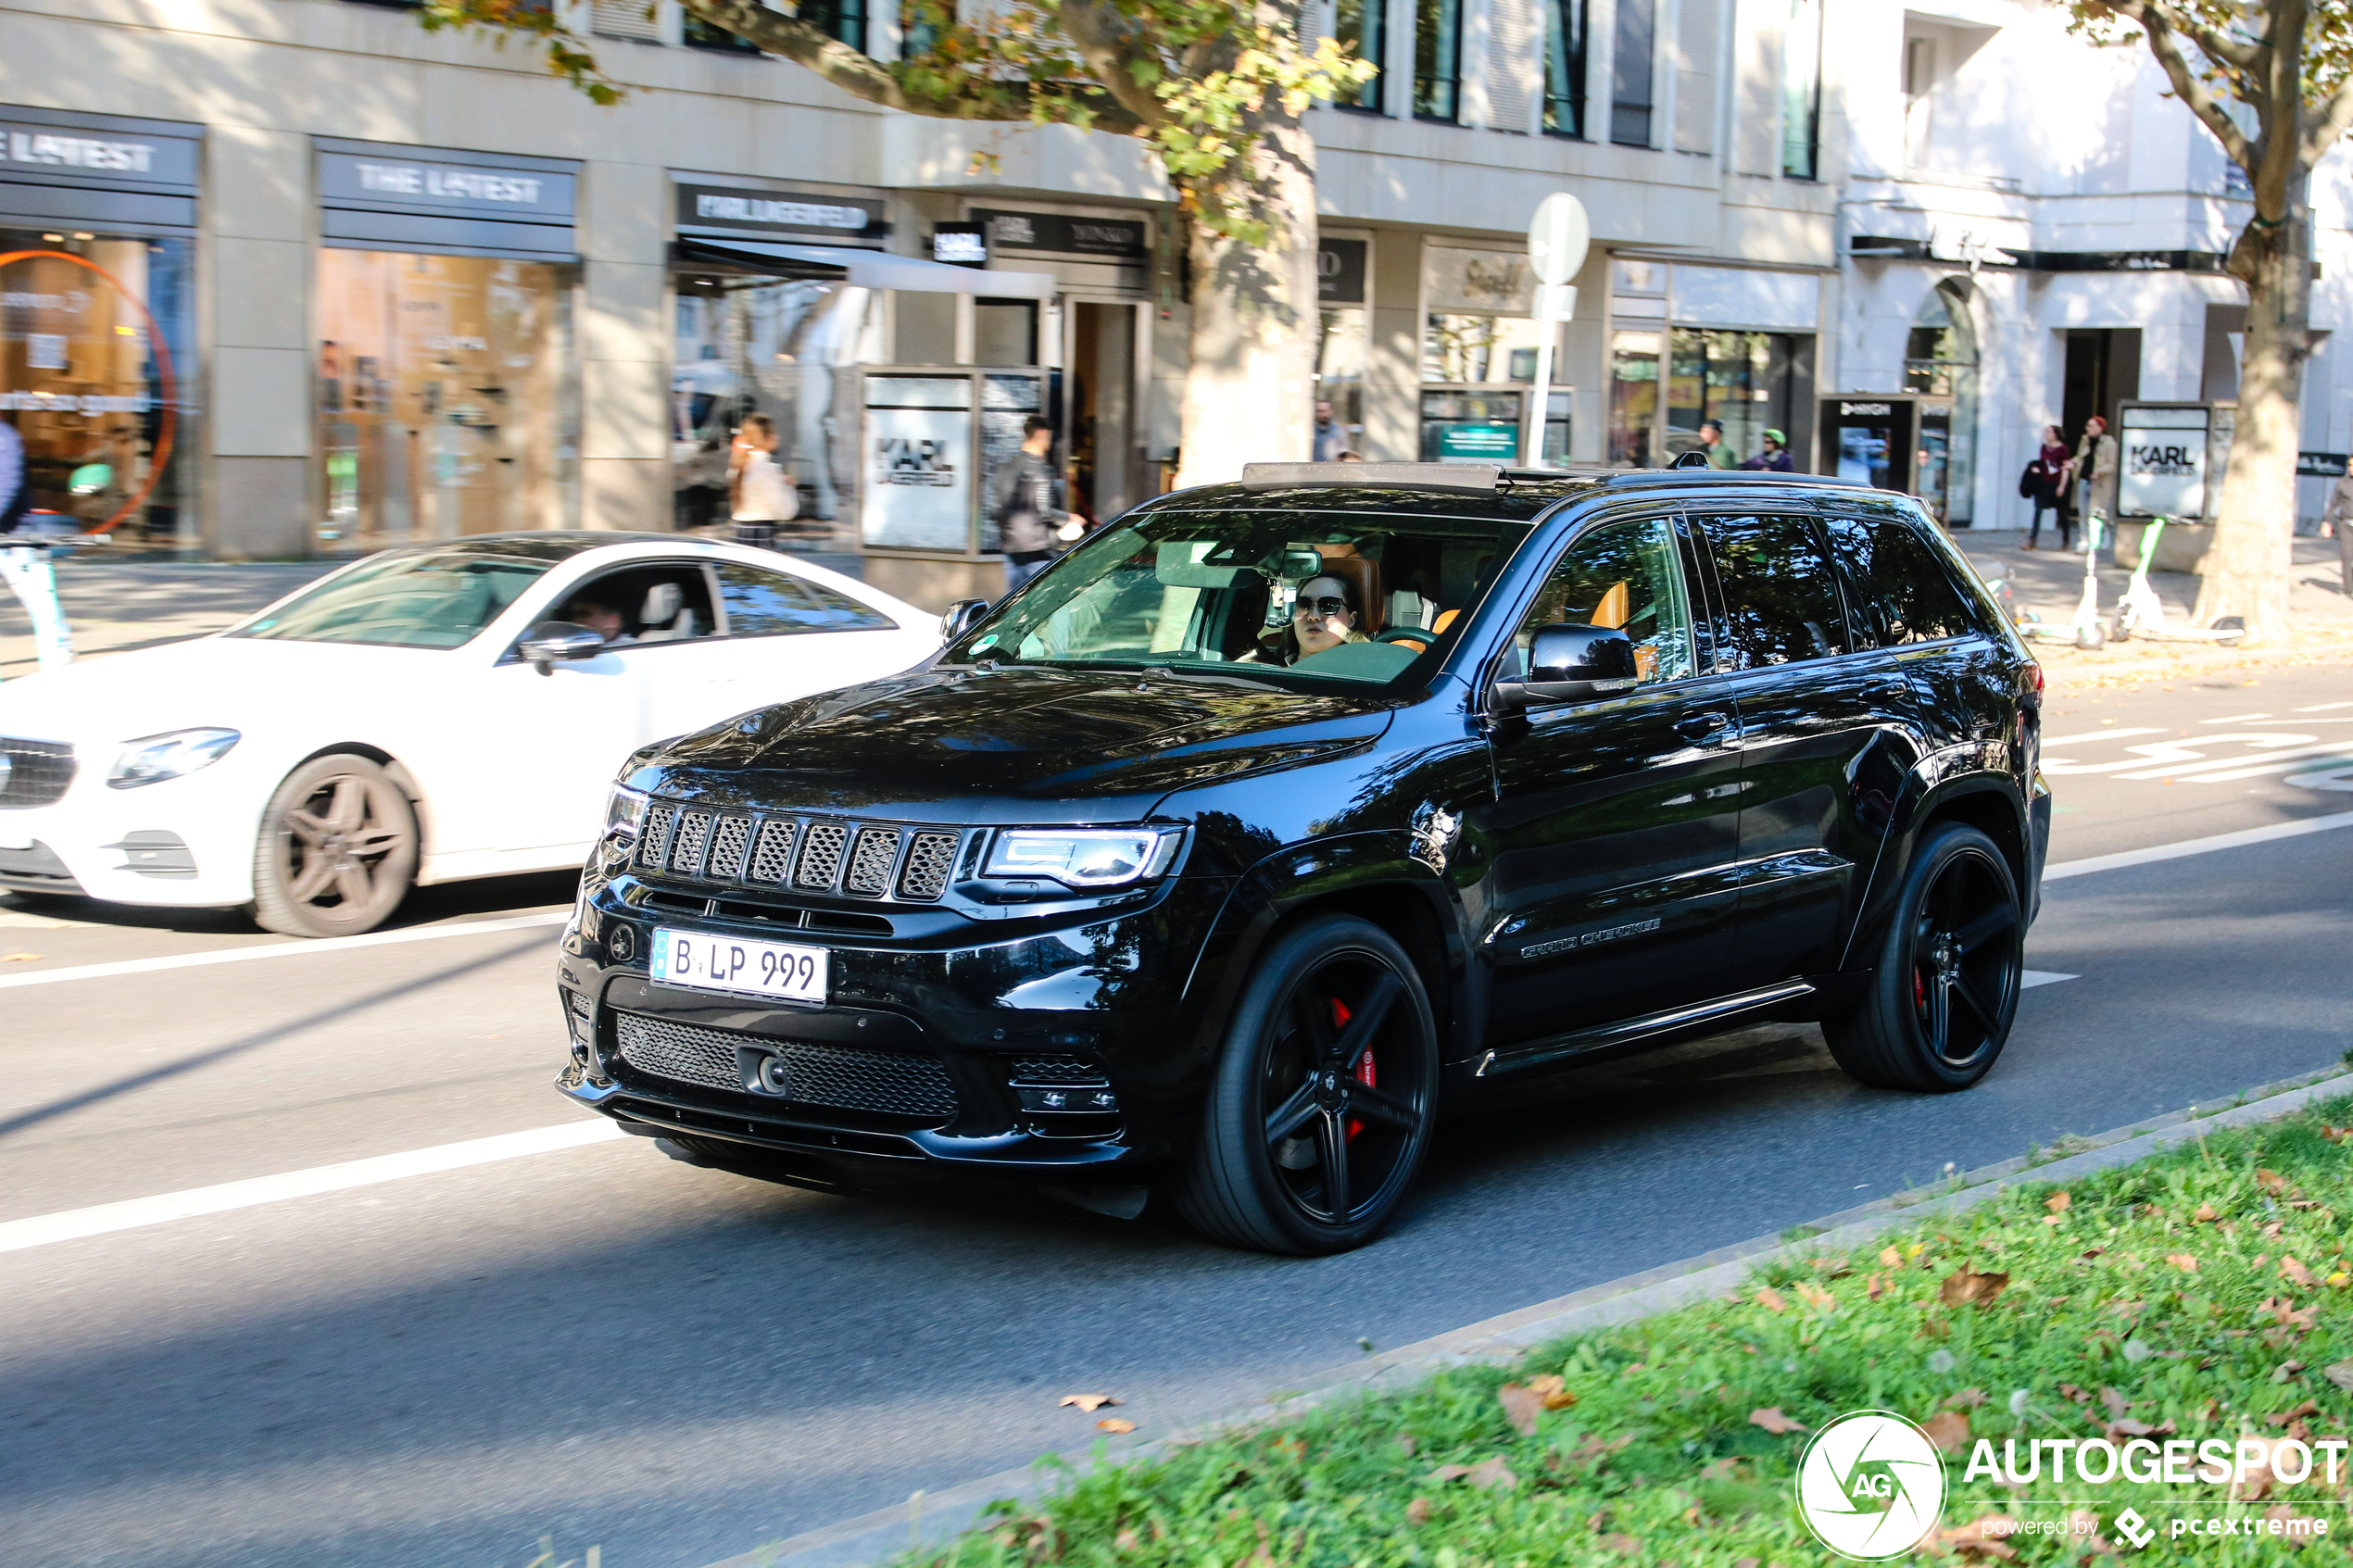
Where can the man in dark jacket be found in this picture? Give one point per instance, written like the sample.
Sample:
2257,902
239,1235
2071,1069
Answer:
1024,505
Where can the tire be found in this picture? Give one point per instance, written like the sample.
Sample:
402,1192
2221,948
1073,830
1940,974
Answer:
337,849
1945,985
1338,997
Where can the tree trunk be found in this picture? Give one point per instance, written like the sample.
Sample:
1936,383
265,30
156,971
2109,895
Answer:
1249,390
2248,567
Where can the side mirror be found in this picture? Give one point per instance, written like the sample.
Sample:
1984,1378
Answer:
558,641
1566,663
961,617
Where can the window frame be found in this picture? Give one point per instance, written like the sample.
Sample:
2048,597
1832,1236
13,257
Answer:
1720,611
581,585
717,570
1978,609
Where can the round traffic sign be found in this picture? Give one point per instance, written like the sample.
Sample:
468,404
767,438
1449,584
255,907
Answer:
1559,237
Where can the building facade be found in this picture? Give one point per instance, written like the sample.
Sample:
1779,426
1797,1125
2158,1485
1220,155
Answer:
2032,232
294,277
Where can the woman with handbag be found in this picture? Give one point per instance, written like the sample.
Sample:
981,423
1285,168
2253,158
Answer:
2044,483
762,494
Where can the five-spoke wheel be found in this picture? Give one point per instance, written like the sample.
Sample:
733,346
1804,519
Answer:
1942,995
1320,1114
337,850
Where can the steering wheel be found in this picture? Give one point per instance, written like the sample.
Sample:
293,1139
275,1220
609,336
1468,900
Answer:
1421,634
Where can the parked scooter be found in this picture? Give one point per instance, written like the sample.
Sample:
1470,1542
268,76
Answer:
2084,631
2141,613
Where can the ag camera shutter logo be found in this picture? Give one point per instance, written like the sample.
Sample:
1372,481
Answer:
1871,1486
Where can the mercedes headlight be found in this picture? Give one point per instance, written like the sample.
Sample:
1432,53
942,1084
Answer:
1087,858
154,758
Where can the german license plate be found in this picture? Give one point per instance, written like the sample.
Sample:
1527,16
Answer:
703,961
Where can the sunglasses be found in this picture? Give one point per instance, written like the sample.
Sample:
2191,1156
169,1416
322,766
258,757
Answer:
1321,606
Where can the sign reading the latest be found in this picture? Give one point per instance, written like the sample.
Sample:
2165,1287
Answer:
351,179
55,150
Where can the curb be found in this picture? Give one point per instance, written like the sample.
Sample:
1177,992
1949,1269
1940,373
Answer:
933,1518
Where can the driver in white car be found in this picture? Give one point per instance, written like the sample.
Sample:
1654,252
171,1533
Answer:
585,610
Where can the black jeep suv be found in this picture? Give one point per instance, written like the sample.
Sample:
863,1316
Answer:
1278,815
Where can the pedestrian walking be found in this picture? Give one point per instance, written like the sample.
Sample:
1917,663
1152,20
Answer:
1775,458
1718,451
1027,518
2094,469
1331,436
24,559
759,487
2044,483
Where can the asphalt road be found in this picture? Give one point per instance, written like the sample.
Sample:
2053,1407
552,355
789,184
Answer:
603,1345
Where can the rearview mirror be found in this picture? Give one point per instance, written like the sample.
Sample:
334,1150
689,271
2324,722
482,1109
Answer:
1566,663
961,617
558,641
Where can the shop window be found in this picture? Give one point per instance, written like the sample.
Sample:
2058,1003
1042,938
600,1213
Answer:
1006,331
445,400
1747,383
1631,73
91,374
1564,67
783,347
1465,348
1939,359
1361,26
1802,91
1438,47
1341,348
843,19
1633,397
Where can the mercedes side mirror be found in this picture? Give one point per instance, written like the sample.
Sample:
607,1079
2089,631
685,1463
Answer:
961,617
558,642
1569,663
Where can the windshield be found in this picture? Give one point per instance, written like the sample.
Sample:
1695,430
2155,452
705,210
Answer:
429,600
1283,595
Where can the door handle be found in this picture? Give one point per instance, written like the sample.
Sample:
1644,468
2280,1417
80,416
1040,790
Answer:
1699,726
1887,691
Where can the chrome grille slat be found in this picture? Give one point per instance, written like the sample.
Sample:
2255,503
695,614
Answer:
870,862
828,1076
728,845
772,853
39,772
820,848
930,861
653,847
693,831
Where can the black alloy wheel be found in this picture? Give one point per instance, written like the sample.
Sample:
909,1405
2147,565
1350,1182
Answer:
1945,988
1322,1107
337,850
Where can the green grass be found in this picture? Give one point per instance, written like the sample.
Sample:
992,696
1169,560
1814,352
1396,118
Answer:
1659,1462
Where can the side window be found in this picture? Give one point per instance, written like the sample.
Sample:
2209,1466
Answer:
666,602
775,604
1901,588
1780,597
1627,575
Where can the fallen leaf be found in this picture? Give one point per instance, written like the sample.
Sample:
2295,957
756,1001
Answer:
1874,1288
1972,1398
2271,1181
1949,1431
21,958
1965,1286
1407,1444
1624,1545
2086,1527
2336,1135
2341,1374
2285,1370
1773,1421
2116,1429
1720,1470
2114,1403
1417,1511
1981,1535
1446,1472
1892,1257
2295,1271
2059,1203
1521,1407
2204,1216
1555,1389
2183,1261
1089,1402
1127,1540
2282,1513
2307,1407
1491,1475
2069,1391
2304,1203
1772,1300
2272,1231
1114,1423
1815,1296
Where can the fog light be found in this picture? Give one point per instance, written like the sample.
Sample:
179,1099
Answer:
774,1077
1081,1099
622,942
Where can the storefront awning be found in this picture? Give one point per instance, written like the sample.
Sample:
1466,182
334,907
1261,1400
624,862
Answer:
866,269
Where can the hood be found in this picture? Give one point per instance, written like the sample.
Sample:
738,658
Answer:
240,683
962,746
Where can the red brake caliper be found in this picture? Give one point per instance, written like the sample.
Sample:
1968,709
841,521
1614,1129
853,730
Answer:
1341,1016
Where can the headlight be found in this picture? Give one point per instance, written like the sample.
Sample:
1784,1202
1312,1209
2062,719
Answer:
625,812
156,758
1084,857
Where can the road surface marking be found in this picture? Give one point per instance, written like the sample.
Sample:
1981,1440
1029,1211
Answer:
2155,852
2050,741
285,950
2235,719
2324,706
2030,978
73,1224
2259,759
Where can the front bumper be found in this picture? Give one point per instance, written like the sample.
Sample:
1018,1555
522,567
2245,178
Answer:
1069,1050
184,843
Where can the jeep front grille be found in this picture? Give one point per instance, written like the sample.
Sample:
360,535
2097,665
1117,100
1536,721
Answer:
789,853
870,862
929,861
821,855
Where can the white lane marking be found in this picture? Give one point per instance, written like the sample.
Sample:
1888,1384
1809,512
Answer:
73,1224
2050,741
284,949
2166,753
2235,719
2258,770
2155,852
2324,706
2258,759
2030,978
2328,778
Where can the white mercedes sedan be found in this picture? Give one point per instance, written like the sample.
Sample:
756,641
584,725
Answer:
431,713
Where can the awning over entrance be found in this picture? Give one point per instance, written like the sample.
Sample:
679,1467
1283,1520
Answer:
865,268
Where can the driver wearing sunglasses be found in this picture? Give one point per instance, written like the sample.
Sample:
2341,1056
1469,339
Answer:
1324,616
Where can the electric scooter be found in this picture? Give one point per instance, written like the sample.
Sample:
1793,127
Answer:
2084,631
2141,613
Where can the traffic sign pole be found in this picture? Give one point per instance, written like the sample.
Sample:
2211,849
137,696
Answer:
1557,241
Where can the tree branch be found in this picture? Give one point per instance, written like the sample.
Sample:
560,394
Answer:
1113,44
2329,121
2156,20
2213,44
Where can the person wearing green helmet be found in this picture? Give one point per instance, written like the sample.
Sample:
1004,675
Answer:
1775,458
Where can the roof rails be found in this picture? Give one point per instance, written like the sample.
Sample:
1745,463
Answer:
1484,477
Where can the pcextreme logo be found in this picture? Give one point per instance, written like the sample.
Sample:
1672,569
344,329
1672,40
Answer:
1870,1484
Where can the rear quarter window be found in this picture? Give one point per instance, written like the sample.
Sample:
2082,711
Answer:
1900,586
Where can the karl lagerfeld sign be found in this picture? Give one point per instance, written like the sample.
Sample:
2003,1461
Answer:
821,217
